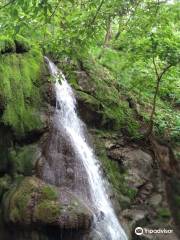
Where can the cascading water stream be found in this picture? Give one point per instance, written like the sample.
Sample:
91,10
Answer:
108,227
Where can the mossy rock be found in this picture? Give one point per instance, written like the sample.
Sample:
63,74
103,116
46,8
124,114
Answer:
20,76
74,212
47,210
22,44
115,173
5,183
23,159
33,202
99,90
23,200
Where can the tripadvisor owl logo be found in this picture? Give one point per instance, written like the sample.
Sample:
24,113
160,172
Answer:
139,231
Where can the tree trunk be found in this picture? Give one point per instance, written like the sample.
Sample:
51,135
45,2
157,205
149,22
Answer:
154,108
107,38
158,80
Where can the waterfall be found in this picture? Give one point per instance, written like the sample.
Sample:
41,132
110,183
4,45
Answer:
107,226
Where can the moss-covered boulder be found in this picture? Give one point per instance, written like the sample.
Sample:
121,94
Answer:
23,199
32,202
5,183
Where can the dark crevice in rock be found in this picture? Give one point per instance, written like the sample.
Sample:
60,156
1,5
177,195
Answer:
21,48
89,114
30,137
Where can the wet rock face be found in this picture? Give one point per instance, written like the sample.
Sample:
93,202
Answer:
60,165
89,113
84,82
34,203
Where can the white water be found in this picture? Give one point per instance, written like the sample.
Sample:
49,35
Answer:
108,228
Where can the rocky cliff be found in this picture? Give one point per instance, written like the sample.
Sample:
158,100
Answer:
29,200
143,174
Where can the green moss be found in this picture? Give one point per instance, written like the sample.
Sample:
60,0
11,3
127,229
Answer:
117,179
19,75
31,200
22,159
115,174
104,94
5,183
49,193
20,200
87,98
164,213
47,211
6,45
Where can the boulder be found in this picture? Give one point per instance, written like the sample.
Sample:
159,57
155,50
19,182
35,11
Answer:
32,202
135,217
155,200
137,162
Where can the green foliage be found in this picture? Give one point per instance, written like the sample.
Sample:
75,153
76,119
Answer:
19,74
123,36
136,78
